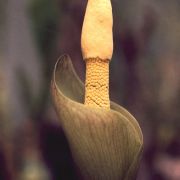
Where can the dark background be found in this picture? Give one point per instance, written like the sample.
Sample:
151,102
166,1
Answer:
144,78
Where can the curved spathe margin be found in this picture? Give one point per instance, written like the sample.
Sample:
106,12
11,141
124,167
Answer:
69,84
106,144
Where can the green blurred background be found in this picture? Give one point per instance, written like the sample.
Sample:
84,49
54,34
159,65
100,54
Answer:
144,78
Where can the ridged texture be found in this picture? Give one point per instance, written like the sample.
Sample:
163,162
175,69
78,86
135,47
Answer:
97,83
105,144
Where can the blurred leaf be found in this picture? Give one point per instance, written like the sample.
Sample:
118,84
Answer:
44,14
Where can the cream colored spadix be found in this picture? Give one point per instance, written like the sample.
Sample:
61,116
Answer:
97,48
97,37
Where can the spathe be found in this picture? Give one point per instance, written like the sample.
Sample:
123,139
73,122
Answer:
105,144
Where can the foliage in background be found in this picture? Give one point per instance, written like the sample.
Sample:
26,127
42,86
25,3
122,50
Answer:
44,16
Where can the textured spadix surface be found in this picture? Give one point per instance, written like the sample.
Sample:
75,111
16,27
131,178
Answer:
105,144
